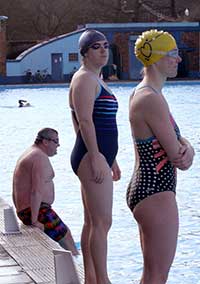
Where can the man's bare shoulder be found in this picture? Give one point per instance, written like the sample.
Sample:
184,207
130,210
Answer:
33,154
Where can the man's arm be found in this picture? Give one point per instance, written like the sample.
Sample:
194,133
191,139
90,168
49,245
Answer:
38,181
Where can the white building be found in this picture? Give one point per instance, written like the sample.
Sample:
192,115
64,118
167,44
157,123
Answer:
58,57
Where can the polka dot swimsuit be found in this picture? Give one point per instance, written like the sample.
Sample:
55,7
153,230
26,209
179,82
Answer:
155,172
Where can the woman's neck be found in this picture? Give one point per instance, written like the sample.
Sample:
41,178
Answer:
91,68
153,79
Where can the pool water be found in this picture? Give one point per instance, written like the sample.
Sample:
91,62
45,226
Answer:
50,109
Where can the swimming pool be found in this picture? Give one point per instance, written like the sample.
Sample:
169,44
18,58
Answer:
50,109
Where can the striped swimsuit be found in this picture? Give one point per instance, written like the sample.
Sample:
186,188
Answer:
104,118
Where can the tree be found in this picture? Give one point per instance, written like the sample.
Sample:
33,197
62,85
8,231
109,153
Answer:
47,18
173,8
41,19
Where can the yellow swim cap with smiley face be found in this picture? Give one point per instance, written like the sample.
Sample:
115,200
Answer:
152,45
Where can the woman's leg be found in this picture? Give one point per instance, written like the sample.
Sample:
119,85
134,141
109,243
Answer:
98,201
157,217
90,276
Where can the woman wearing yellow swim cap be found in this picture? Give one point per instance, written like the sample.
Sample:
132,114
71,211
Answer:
159,150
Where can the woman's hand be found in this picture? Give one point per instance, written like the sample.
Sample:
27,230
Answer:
185,160
98,167
116,172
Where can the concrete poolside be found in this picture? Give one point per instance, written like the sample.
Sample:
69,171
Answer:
10,271
28,258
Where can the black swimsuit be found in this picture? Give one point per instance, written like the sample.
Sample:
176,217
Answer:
104,118
155,172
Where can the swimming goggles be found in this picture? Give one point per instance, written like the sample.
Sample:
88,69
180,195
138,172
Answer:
172,53
97,45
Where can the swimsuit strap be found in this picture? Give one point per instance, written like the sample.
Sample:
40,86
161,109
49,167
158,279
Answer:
147,86
101,83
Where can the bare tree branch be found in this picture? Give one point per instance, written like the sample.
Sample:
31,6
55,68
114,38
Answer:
156,12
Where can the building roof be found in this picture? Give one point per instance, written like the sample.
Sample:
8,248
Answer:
140,26
33,48
120,27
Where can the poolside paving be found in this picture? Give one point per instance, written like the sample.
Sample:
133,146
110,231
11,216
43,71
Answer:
28,257
10,271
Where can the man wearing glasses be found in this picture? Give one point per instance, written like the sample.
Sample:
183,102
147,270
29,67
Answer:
33,189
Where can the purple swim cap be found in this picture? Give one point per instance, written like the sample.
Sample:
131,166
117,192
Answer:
88,38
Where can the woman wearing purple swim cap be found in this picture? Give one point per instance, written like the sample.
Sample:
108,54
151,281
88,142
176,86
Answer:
93,157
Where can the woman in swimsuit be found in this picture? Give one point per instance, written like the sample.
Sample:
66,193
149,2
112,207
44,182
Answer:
93,158
159,150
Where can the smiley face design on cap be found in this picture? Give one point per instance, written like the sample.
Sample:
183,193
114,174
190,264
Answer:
146,50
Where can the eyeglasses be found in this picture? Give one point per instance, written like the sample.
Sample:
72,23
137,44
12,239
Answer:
56,141
96,46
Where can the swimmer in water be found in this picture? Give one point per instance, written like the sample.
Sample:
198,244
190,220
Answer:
23,103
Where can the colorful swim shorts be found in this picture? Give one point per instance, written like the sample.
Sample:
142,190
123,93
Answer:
53,225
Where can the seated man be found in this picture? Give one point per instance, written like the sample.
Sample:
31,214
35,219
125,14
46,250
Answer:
33,189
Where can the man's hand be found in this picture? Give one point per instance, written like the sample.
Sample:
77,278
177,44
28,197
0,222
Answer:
38,225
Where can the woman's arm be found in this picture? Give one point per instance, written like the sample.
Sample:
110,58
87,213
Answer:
75,123
180,152
187,155
156,114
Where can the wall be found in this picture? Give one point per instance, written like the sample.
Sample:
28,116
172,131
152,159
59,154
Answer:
2,48
192,40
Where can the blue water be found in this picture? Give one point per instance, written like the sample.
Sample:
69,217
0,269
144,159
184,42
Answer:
50,109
